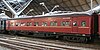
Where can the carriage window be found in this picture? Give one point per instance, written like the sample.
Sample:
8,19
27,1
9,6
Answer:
53,23
83,23
17,24
63,24
36,23
74,23
22,24
11,24
29,24
67,23
44,24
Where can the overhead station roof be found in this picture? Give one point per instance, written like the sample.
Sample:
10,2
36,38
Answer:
64,5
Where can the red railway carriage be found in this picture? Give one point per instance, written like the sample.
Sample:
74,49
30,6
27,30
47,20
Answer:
80,27
99,24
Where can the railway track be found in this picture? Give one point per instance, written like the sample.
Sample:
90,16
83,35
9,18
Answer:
95,45
28,45
24,44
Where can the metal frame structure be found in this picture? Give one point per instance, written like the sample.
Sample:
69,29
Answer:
16,8
64,5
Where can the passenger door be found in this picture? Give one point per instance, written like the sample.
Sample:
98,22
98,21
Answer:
85,25
74,24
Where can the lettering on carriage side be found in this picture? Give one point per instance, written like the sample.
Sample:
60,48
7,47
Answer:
67,18
83,27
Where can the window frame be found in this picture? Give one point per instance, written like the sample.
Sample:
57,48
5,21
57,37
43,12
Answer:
44,23
83,24
65,23
18,23
12,24
53,23
36,23
29,24
75,23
